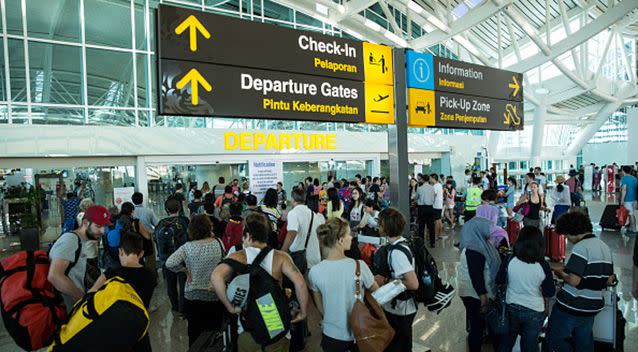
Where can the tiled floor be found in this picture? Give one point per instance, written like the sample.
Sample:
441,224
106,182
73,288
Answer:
443,332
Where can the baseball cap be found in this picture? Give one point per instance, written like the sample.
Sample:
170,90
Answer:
237,291
98,215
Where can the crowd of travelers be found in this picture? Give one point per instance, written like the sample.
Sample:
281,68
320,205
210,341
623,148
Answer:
250,267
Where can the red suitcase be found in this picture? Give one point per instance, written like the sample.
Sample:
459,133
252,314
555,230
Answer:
554,244
513,228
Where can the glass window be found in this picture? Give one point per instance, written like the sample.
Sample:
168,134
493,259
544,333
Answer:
307,20
43,115
4,114
3,81
140,27
109,77
20,115
142,81
108,23
511,165
225,4
523,165
144,121
105,116
55,73
158,120
17,71
14,17
276,11
295,172
54,19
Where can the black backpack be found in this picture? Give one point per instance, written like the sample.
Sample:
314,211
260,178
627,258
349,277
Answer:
426,270
266,316
170,234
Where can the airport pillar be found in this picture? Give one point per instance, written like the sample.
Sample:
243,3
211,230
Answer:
632,132
540,116
141,182
398,140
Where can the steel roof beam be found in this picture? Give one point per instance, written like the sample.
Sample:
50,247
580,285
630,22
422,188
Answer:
474,17
606,20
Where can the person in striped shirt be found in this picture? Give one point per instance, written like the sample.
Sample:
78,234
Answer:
589,270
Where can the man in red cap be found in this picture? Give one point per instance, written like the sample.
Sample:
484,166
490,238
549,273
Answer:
71,272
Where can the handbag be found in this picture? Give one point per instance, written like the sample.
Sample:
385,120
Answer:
371,329
299,257
497,316
522,209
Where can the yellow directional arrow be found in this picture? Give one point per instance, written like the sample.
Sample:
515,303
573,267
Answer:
514,85
195,78
193,24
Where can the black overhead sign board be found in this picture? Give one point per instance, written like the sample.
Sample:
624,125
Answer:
267,94
461,77
455,94
213,65
254,44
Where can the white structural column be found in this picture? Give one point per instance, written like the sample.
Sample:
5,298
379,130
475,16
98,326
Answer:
492,145
540,115
141,182
588,132
632,133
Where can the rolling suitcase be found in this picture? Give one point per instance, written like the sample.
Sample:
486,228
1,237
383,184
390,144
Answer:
554,244
608,220
513,228
215,341
581,208
609,325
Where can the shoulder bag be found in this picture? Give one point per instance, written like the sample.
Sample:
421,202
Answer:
371,329
299,257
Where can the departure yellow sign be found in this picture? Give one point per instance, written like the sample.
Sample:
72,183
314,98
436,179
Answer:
379,103
194,26
377,64
422,108
279,141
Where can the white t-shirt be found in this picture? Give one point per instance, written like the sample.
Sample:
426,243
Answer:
299,220
400,265
438,196
334,279
541,180
524,285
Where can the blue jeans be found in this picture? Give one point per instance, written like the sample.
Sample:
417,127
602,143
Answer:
567,332
525,322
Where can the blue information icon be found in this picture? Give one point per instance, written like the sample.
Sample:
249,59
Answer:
420,70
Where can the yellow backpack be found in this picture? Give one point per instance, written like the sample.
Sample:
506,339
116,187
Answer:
111,319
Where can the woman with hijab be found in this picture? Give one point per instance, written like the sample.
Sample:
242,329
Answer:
480,262
498,236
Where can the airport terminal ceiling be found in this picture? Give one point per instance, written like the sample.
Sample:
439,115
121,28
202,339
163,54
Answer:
93,61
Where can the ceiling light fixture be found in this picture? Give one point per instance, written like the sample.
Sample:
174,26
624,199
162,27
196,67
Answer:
322,9
415,7
395,38
372,25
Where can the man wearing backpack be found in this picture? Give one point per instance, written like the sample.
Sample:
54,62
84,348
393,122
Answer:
71,272
170,234
180,196
197,205
264,312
